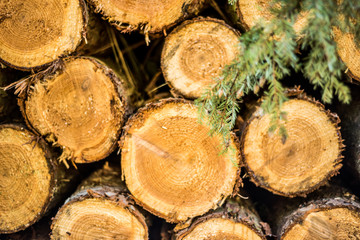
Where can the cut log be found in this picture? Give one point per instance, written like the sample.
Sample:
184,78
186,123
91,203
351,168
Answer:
100,209
326,218
30,181
308,158
148,16
349,53
80,107
249,12
35,33
236,220
195,53
171,165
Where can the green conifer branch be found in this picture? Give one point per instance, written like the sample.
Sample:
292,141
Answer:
267,54
323,67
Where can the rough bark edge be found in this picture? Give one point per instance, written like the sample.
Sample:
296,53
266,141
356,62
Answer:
297,93
116,195
352,77
85,18
56,68
226,213
174,91
299,215
140,116
240,17
188,10
53,181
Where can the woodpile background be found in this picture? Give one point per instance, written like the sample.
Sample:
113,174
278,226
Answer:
100,139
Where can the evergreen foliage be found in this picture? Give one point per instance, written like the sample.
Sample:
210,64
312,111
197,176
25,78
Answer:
268,54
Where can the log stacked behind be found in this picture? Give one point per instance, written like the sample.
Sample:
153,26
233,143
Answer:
100,209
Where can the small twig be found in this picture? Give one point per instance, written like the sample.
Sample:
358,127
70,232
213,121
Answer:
154,89
119,57
34,139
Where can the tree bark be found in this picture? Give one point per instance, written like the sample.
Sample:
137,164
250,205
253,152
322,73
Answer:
306,160
80,106
195,53
331,213
172,167
237,219
148,16
35,33
100,209
31,181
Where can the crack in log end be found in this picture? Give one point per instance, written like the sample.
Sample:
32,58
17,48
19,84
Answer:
85,84
150,146
169,169
171,53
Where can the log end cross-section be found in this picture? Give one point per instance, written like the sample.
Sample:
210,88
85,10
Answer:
80,108
100,209
172,166
35,33
146,15
308,158
249,12
219,229
195,54
236,219
26,179
336,218
349,52
100,217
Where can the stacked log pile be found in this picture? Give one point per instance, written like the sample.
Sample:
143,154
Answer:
88,98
